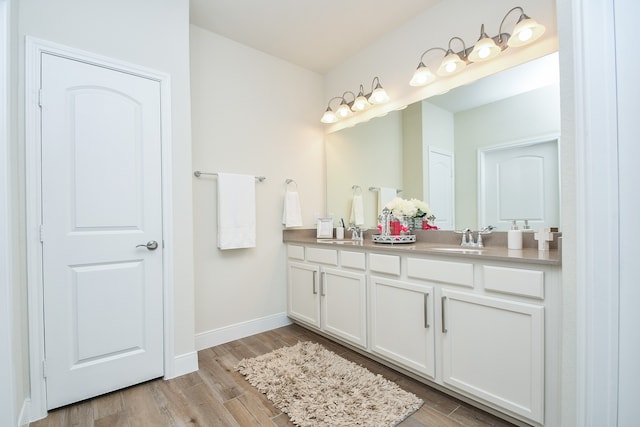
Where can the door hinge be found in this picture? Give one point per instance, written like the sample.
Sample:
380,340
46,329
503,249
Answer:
41,233
40,98
44,369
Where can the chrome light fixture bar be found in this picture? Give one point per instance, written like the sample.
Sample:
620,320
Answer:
358,103
525,31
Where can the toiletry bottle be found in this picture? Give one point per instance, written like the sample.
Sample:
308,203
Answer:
514,237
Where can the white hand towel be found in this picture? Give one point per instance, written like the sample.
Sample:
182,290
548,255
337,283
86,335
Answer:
236,211
357,210
385,195
291,213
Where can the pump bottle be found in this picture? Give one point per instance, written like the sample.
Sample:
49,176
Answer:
514,237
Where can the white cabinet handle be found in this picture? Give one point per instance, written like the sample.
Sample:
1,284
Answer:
444,328
315,274
426,312
322,284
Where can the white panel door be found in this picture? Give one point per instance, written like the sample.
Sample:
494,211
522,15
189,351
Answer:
441,187
101,200
520,182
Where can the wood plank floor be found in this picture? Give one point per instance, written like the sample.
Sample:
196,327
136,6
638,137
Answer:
217,396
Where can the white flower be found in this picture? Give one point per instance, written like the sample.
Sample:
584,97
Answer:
422,207
400,207
412,208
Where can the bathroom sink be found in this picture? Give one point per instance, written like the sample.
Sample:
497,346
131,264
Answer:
460,250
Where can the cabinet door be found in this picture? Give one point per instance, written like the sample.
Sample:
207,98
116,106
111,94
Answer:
303,293
493,349
402,324
344,305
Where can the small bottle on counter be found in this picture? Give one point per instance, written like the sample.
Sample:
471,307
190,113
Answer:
514,237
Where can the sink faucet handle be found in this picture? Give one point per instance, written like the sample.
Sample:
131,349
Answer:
487,229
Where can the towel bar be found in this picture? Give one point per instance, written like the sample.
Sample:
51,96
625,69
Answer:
398,190
198,173
291,181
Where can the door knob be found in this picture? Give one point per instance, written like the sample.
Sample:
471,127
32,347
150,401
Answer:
152,245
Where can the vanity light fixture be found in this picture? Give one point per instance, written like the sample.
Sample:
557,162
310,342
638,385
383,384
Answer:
453,62
525,31
359,103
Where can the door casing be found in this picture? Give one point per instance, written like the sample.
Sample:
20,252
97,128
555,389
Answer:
33,51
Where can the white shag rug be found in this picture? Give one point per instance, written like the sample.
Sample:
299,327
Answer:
316,387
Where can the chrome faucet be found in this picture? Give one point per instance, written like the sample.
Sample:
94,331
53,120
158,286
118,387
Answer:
357,233
467,236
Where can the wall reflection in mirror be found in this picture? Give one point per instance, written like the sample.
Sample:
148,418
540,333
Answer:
482,154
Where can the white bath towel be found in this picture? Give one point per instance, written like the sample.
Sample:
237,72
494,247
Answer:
291,212
357,210
385,195
236,211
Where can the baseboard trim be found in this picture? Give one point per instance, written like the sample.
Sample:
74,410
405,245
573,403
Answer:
184,364
240,330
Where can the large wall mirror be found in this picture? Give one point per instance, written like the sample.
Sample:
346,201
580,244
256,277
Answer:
481,154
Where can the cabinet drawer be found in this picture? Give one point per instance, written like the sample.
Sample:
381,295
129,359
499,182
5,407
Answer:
389,264
352,259
514,281
457,273
295,252
324,256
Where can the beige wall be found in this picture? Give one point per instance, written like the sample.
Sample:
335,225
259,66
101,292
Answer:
368,155
251,114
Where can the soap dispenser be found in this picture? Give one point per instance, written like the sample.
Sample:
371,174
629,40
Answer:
514,237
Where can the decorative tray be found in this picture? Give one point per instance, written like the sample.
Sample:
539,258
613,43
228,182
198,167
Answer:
402,238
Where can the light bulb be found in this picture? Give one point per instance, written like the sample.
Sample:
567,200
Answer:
422,76
451,64
525,34
360,103
329,117
343,110
526,31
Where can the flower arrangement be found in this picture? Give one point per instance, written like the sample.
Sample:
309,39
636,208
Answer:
415,208
410,214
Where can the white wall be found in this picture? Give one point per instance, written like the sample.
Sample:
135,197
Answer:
251,114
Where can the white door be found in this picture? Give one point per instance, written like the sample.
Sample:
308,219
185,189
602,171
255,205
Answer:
101,199
520,182
441,187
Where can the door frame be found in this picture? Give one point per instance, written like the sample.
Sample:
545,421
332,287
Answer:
8,398
34,48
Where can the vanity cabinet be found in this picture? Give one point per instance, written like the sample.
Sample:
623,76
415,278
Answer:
403,324
327,297
482,329
493,348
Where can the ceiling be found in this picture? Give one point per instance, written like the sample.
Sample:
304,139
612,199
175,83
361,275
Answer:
314,34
